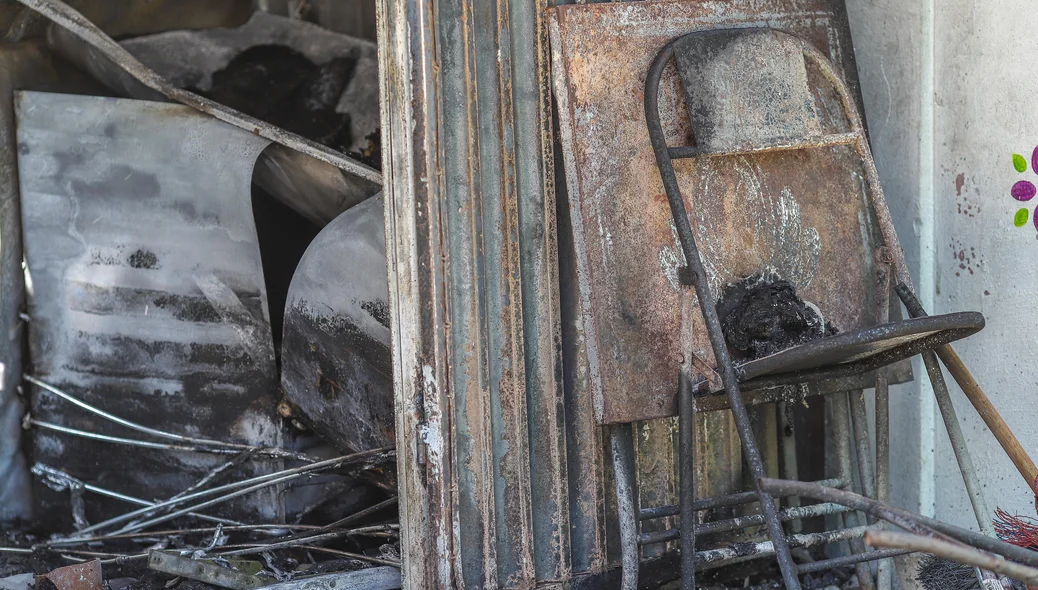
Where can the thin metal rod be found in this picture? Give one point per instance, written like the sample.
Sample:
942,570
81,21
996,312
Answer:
686,458
267,451
951,423
623,473
362,513
723,501
706,303
886,572
710,402
828,564
346,520
909,521
294,472
959,553
723,556
127,441
742,522
308,540
958,442
268,528
811,142
76,23
788,442
841,407
63,479
359,556
219,470
860,425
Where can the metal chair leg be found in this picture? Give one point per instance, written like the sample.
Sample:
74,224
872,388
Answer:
842,426
686,458
627,511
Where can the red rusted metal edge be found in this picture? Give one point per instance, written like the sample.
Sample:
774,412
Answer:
80,576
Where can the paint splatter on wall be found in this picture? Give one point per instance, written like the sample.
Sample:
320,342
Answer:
1024,190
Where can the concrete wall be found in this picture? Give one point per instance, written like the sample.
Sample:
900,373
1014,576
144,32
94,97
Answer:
947,88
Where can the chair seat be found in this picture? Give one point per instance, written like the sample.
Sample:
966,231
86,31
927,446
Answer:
854,352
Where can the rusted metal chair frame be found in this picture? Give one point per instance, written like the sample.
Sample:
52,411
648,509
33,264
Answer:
729,372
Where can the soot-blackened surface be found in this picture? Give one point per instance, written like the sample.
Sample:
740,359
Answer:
280,85
761,316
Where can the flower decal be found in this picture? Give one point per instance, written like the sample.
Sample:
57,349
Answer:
1024,190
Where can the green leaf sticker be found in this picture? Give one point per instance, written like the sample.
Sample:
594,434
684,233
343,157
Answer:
1019,163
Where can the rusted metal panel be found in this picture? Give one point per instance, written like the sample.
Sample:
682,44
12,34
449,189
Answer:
585,449
774,212
80,576
538,248
408,93
470,240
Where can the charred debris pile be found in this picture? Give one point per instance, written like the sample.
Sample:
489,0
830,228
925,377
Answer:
205,391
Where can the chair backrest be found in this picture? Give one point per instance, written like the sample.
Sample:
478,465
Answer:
745,87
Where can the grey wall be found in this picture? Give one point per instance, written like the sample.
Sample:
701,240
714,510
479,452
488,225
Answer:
947,90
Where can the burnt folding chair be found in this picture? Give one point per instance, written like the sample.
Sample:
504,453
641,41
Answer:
770,105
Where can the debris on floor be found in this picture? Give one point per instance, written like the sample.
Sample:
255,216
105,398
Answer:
79,576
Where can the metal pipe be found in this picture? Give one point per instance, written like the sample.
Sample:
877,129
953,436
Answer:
713,324
722,501
723,556
623,473
843,445
742,522
885,574
788,442
828,564
686,460
910,521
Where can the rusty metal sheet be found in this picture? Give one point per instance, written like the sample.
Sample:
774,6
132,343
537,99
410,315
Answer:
801,215
80,576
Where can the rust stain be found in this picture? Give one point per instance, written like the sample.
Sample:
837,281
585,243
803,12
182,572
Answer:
964,259
81,576
802,215
960,180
